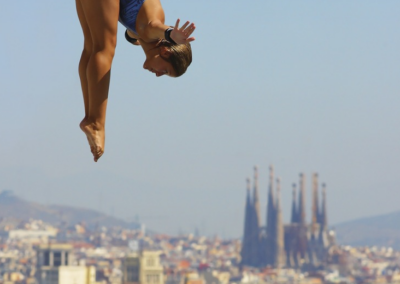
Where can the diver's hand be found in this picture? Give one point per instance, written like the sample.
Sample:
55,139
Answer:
182,35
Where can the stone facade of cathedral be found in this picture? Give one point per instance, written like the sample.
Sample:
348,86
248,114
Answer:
276,244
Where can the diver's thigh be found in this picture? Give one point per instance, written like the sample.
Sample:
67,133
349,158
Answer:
102,19
85,27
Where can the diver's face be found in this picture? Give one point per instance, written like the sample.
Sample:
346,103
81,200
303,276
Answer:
159,66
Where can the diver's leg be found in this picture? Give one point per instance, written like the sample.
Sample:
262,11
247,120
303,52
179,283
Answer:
102,19
87,49
85,56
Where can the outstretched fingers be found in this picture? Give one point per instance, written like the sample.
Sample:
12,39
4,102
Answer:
184,26
188,31
182,34
177,24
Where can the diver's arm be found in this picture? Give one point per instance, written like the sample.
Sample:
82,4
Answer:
156,30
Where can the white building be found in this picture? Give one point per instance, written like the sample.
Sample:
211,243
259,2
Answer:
143,268
56,265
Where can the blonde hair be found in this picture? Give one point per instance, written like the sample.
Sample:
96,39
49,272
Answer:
180,56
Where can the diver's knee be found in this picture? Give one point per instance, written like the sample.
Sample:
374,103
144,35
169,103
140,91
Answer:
106,46
87,46
104,53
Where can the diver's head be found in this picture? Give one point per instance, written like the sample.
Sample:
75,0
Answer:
172,59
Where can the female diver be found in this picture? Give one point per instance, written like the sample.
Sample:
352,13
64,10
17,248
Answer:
167,52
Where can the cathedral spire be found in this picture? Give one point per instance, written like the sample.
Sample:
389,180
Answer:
279,238
324,217
271,201
271,183
246,243
256,200
271,219
302,200
294,210
302,237
255,223
315,218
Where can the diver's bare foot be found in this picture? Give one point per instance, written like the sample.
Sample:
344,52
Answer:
82,125
96,137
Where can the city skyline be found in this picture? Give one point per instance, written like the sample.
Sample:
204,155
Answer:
102,203
34,251
308,198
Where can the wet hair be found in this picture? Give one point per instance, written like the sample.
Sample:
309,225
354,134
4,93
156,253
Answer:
180,56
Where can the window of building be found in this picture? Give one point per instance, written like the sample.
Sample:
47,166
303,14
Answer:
150,261
51,276
132,274
46,260
57,258
152,278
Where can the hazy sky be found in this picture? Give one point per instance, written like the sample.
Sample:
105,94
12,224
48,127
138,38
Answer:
304,85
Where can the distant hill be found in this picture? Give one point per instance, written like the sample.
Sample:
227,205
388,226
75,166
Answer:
14,207
382,230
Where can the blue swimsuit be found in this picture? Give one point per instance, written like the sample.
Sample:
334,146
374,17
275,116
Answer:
128,11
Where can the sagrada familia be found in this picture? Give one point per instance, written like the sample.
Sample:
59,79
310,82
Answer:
291,245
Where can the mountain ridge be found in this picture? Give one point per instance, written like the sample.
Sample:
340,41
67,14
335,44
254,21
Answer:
12,206
379,230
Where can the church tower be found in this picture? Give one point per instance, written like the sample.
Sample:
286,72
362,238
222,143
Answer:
313,244
302,200
271,217
315,218
323,238
303,228
294,208
256,200
279,250
246,243
255,222
324,217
